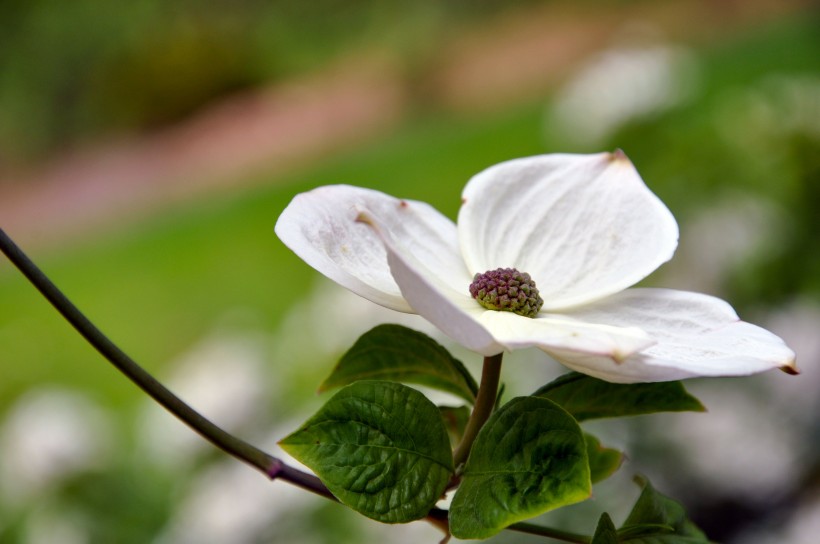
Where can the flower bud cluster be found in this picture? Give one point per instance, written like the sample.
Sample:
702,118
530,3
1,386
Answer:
508,290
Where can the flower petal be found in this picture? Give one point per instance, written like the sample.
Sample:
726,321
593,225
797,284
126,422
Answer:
697,335
489,332
583,226
558,332
448,307
320,227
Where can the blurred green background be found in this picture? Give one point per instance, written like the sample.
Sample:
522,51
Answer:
716,103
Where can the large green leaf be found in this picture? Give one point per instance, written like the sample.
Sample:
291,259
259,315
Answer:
396,353
380,447
605,533
586,397
603,462
530,457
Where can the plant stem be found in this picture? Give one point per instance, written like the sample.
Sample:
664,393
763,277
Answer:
273,467
556,534
484,404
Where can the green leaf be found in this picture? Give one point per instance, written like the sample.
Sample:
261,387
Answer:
499,396
381,449
605,533
530,457
455,420
603,462
661,538
396,353
657,519
586,397
633,532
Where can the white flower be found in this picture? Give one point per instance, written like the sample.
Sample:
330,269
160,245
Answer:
584,227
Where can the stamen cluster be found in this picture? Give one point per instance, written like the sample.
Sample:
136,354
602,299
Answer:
507,290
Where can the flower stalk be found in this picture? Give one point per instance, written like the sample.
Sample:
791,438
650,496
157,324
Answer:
483,408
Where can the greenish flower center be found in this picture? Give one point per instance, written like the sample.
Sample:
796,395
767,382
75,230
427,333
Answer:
507,290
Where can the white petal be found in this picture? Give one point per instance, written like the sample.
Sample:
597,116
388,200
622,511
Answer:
697,335
583,226
320,227
558,332
448,307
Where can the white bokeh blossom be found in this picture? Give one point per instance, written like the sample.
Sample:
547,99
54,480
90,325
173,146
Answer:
630,82
584,227
49,435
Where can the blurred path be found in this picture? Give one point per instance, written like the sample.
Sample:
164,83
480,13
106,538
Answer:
266,129
516,57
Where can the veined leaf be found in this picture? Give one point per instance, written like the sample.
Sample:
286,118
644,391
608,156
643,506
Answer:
655,519
586,397
530,457
380,447
655,509
396,353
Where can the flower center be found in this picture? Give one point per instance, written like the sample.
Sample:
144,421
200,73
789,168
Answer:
507,290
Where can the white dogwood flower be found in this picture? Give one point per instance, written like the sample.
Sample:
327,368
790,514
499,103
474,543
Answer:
550,245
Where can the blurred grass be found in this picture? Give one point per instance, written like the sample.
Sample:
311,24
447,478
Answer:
157,286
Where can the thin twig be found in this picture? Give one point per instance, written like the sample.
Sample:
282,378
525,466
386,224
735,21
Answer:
483,408
273,467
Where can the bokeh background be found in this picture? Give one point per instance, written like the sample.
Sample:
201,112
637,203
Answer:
147,148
